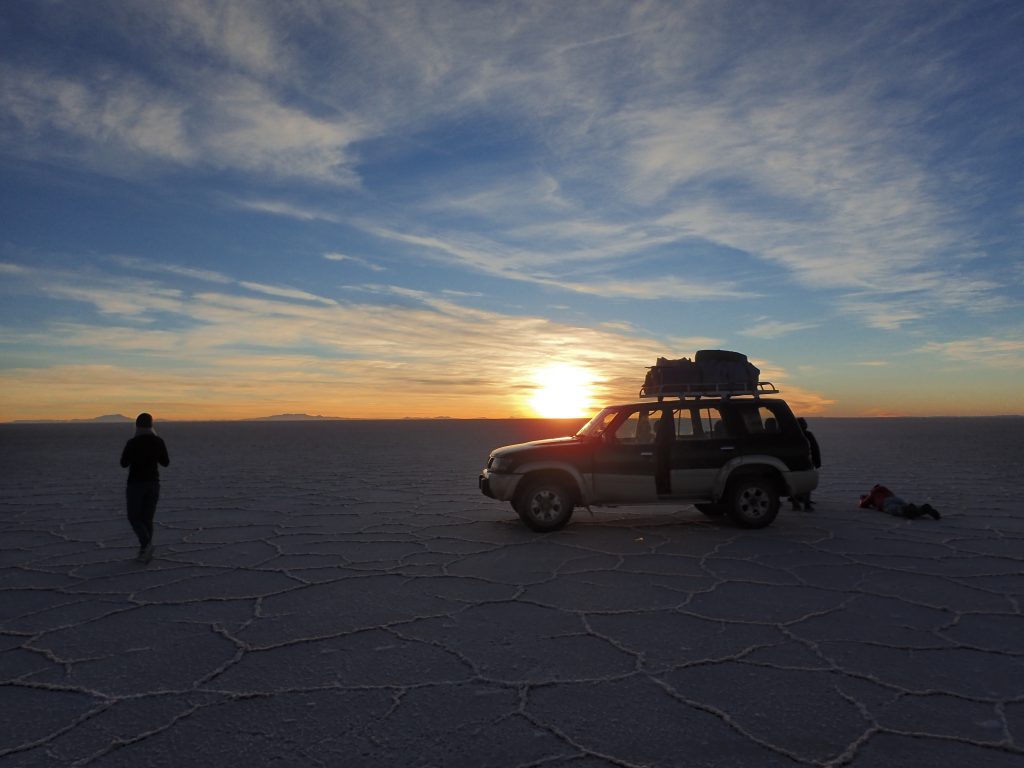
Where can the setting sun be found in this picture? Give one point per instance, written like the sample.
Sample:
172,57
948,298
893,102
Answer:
563,391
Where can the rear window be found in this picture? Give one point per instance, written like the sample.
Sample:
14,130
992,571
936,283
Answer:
762,420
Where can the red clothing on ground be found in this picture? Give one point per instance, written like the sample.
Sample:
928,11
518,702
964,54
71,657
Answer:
875,499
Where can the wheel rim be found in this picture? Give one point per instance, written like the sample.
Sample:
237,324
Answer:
754,502
545,506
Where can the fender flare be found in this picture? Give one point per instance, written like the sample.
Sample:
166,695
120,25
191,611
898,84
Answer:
753,464
582,489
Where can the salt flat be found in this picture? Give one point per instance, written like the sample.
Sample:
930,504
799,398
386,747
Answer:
341,594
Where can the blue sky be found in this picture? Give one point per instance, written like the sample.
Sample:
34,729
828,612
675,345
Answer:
221,209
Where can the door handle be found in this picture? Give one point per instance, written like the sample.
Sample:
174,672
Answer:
728,448
646,453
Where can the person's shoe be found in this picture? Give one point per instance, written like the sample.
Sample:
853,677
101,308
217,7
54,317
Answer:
912,511
931,511
141,554
809,506
146,554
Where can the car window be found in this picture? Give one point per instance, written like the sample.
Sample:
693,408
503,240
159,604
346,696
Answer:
685,424
637,428
760,420
694,423
711,423
598,424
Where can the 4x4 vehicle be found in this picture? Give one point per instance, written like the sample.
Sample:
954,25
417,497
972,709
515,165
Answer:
732,454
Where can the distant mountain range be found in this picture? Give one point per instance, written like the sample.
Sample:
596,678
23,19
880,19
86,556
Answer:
294,417
117,418
122,419
113,418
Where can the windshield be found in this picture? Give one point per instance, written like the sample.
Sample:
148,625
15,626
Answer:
598,424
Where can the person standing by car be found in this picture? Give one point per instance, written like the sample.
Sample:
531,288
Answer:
141,455
805,498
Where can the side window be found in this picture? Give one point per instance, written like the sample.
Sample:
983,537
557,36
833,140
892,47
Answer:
601,422
636,428
760,420
711,423
685,424
688,423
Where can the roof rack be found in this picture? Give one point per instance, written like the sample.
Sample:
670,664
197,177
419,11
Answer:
725,389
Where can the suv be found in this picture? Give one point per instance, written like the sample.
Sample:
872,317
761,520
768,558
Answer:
731,455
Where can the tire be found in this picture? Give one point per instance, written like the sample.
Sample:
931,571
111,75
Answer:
753,501
544,505
711,510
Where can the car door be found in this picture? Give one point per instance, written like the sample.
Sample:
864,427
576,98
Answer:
623,459
704,443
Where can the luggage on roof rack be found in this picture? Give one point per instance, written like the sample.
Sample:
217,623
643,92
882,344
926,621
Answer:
722,355
714,372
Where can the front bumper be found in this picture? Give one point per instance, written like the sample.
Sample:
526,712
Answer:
498,485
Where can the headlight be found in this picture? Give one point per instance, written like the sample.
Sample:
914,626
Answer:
501,464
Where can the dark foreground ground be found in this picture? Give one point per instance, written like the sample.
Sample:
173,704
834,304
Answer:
341,594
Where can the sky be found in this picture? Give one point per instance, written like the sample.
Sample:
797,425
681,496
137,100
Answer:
217,209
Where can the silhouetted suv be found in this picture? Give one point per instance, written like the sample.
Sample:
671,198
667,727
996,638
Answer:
725,455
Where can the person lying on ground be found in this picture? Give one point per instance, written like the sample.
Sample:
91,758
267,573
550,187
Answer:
881,498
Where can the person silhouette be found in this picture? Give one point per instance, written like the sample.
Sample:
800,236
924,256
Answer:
804,499
141,455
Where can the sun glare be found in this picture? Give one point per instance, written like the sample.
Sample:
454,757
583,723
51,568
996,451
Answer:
562,392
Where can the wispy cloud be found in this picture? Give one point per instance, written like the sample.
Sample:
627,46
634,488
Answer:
984,352
281,208
205,275
766,328
544,268
335,256
117,123
668,287
285,292
140,299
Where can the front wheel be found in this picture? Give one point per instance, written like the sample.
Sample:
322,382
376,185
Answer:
544,505
753,502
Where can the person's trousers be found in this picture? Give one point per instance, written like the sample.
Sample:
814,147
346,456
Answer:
142,499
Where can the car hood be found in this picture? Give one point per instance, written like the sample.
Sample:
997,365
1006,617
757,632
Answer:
508,450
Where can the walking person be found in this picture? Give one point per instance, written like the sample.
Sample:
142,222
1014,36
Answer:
141,455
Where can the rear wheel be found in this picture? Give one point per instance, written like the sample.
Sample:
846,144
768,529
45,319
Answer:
753,501
544,505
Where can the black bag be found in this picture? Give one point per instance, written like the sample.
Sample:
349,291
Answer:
672,376
724,355
727,368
